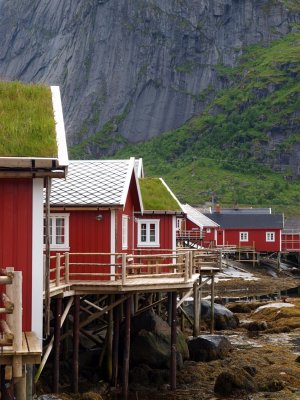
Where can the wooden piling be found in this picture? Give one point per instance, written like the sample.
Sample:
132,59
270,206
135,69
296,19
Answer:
196,310
56,346
212,309
173,341
116,336
128,305
75,361
110,340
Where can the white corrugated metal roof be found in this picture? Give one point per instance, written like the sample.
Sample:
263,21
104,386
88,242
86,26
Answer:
93,182
197,217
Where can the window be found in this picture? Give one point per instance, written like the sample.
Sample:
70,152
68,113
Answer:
59,231
179,224
243,236
208,230
148,232
270,236
125,231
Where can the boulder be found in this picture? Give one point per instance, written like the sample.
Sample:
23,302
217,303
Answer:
224,318
234,380
208,347
256,326
151,342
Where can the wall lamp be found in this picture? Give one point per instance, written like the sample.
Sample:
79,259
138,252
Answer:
99,217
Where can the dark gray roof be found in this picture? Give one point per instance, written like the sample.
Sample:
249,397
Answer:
292,224
248,210
250,221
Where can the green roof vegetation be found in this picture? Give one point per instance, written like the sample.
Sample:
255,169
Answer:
27,126
229,152
156,196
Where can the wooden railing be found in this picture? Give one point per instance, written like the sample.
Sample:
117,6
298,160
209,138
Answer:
68,268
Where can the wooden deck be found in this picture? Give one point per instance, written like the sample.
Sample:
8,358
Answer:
75,274
30,353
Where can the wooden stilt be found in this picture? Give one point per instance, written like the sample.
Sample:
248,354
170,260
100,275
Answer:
196,310
115,355
212,309
20,386
169,308
110,341
56,347
200,298
173,341
29,381
76,343
126,347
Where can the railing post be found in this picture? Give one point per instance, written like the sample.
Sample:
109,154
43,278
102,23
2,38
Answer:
57,269
124,268
67,267
191,256
186,267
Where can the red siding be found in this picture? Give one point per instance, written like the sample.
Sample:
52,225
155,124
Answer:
165,230
88,235
291,241
16,235
208,236
256,238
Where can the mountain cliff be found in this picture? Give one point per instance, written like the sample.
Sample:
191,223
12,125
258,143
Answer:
130,70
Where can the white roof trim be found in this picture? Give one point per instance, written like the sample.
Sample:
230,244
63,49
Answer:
171,193
63,158
130,171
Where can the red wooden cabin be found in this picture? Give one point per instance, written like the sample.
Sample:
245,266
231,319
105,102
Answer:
291,235
156,226
197,227
93,212
22,179
258,230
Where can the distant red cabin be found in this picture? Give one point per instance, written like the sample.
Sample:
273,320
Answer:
261,232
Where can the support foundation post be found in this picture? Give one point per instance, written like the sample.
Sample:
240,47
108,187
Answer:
75,361
173,341
128,305
56,346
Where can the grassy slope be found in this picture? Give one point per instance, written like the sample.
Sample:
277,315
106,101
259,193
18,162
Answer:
27,126
225,152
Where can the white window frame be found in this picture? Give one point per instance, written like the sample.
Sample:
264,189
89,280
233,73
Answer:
147,243
270,236
53,244
125,219
244,237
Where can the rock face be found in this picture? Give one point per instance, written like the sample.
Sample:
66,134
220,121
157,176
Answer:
131,70
208,347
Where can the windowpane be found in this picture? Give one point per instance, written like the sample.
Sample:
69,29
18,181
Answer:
60,230
143,232
152,232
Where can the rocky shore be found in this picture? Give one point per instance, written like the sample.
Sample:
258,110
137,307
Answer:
256,358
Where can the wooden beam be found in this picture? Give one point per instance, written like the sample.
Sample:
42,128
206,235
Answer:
75,361
173,341
56,345
126,356
50,345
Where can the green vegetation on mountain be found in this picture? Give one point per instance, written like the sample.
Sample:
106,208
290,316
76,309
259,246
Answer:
27,126
233,151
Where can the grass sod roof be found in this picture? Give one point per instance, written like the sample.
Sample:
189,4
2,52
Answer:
27,125
156,196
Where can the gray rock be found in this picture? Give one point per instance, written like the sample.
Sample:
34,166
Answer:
224,318
208,347
234,380
151,342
